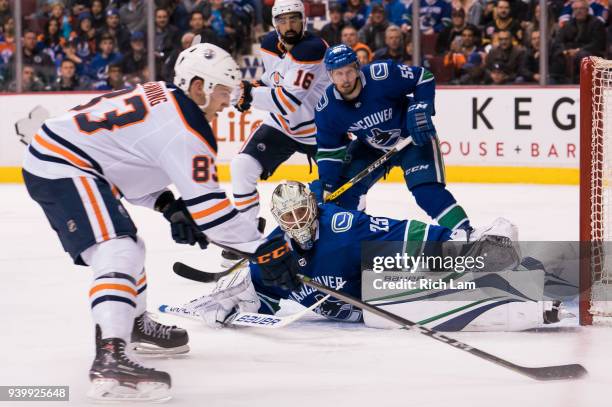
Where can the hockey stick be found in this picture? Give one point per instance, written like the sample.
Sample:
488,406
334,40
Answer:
190,273
367,171
572,371
252,319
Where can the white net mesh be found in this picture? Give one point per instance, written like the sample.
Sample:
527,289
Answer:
601,191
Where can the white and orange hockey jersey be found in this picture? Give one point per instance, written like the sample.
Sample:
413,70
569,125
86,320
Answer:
140,141
295,81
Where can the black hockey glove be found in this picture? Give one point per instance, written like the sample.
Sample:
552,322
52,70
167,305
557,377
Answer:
184,230
278,264
244,97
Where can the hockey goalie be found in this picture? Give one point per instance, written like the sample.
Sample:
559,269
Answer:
328,242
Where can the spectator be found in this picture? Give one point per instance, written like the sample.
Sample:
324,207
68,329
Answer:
132,14
98,68
499,75
331,32
582,36
5,11
503,21
349,37
135,61
364,56
511,58
356,13
223,22
534,25
373,33
7,41
597,9
166,35
197,26
435,15
50,42
451,33
533,58
167,71
397,13
84,38
473,10
30,81
98,19
68,78
58,12
41,62
114,81
117,30
466,56
179,14
394,46
70,53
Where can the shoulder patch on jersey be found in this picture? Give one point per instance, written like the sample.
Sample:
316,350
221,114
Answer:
310,50
271,45
379,71
322,102
193,118
341,222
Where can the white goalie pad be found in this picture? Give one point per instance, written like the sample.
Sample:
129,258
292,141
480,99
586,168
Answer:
503,301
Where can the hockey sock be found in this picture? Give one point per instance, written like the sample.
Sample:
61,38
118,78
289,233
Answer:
440,205
141,289
117,265
245,171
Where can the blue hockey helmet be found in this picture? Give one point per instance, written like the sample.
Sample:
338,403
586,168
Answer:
338,56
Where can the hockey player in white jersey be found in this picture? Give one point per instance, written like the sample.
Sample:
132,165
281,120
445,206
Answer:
134,143
292,84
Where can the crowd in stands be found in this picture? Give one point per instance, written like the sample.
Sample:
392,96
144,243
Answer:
102,44
474,42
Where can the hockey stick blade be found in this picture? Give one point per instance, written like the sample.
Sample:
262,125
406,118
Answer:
561,372
190,273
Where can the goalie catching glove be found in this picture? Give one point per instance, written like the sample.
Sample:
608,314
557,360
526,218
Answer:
233,293
418,122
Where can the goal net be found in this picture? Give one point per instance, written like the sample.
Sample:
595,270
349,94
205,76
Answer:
595,189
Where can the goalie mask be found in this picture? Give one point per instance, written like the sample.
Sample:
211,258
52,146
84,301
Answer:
295,209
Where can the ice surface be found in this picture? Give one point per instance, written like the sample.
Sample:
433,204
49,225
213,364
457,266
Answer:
46,336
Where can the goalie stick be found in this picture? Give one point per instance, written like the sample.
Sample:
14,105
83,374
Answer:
544,373
561,372
190,273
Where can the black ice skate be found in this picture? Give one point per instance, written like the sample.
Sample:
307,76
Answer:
115,377
149,337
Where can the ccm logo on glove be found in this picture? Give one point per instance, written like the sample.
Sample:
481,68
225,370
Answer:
274,254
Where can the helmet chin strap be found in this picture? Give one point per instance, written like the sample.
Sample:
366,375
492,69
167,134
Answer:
205,105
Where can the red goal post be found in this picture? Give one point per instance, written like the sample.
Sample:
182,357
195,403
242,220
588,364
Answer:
595,188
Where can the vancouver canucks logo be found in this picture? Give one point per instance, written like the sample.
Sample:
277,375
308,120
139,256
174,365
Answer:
384,138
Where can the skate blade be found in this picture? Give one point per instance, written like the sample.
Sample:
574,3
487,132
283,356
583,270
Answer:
148,349
109,390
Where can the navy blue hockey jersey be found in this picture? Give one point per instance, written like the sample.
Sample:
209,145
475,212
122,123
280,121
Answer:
377,116
336,258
